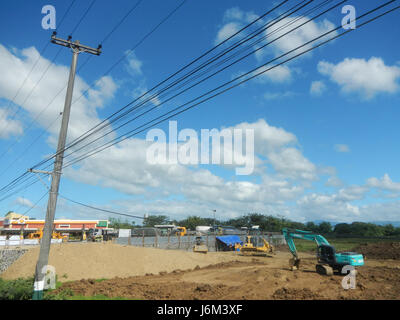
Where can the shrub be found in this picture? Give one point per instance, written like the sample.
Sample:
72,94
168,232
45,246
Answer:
19,289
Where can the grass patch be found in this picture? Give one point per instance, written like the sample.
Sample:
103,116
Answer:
19,289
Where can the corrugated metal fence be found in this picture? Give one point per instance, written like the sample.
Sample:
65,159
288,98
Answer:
151,237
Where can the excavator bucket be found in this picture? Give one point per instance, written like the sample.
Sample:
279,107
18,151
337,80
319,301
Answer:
294,263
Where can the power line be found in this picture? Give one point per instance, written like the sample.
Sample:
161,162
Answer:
36,203
114,65
37,60
100,209
76,160
259,48
42,76
124,137
133,48
121,21
250,24
83,17
77,140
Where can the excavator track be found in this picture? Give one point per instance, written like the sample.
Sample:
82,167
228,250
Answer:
324,269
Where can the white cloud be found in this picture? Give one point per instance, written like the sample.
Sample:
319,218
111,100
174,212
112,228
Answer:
236,18
365,77
18,63
334,182
317,88
125,168
351,193
9,126
341,148
24,202
239,15
329,207
279,74
278,95
291,163
134,65
299,36
234,14
385,183
226,31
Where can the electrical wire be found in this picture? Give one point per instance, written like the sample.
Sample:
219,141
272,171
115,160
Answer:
74,142
125,136
253,76
42,76
158,105
36,203
100,209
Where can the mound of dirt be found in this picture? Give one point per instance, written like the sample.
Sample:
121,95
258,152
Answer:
251,280
152,289
76,261
380,250
295,294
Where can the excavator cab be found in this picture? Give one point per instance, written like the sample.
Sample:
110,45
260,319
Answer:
326,254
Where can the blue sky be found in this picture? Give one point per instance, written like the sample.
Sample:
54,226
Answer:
325,125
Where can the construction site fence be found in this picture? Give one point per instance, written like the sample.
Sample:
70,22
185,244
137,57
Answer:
17,241
151,238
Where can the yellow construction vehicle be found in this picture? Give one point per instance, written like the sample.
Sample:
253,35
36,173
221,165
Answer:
199,245
39,235
36,235
255,245
180,231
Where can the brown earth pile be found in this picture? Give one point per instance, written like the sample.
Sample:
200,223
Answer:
380,250
76,261
265,279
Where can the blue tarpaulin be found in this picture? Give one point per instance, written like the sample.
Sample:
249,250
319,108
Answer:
230,240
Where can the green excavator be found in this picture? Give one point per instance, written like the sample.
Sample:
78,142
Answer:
328,259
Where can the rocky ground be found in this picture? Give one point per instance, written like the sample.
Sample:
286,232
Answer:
8,257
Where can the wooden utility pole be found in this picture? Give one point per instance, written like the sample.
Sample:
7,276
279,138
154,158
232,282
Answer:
41,265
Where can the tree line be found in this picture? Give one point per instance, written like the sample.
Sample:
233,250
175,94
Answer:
268,223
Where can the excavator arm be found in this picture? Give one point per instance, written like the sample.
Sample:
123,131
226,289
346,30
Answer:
291,234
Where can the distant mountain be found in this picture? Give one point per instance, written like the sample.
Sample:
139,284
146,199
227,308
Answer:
381,223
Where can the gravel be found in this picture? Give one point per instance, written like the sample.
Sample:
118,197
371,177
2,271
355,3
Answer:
8,257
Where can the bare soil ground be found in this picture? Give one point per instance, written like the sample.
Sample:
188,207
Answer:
258,278
142,273
380,250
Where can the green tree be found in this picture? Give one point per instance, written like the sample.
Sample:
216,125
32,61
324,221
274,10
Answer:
119,224
192,222
311,226
342,228
389,230
324,228
153,220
